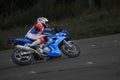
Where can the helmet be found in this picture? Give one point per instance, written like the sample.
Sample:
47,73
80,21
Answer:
42,20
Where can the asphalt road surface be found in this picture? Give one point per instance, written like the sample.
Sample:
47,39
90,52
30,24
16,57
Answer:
99,60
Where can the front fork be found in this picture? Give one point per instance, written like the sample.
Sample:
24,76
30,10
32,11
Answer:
67,43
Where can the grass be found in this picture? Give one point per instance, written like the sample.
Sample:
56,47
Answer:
89,24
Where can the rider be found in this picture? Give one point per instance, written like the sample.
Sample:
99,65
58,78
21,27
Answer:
36,32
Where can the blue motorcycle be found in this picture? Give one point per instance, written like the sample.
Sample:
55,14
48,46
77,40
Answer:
56,44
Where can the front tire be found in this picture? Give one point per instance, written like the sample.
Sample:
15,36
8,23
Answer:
72,51
20,58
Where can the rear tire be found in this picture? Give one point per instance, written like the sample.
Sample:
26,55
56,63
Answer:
73,51
19,58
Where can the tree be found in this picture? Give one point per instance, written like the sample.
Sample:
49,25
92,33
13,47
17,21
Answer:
91,4
94,4
98,4
12,7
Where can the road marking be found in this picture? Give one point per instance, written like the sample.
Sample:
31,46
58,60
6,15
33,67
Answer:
32,72
89,62
115,41
93,45
10,60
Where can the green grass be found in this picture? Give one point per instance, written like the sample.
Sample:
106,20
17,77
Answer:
89,24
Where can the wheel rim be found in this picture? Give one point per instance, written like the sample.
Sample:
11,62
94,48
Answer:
72,50
21,56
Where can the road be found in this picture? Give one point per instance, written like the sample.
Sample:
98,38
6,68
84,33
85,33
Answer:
99,60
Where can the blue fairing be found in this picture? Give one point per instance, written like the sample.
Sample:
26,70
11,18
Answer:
54,42
24,40
20,40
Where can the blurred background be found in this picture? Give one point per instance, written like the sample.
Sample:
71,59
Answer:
82,18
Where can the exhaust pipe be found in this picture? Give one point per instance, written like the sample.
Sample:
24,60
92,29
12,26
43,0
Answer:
23,47
28,48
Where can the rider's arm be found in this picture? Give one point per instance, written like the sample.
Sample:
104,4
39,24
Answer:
48,29
39,26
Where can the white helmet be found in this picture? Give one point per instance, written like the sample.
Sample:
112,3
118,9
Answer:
42,20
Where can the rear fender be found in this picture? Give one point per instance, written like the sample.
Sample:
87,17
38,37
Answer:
11,41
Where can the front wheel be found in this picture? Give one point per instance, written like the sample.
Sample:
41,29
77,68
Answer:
20,57
70,49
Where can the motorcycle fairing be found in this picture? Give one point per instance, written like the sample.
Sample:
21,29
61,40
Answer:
55,51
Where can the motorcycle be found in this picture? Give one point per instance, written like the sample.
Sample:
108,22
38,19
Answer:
56,45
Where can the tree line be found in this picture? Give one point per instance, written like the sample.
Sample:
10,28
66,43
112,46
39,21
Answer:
19,12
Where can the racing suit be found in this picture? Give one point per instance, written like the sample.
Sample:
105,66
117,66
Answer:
36,33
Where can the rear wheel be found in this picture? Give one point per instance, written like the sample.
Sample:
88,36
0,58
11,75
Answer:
21,57
70,50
